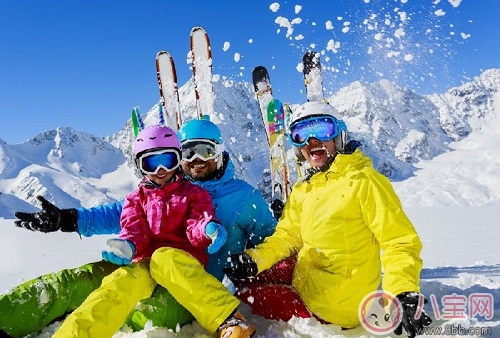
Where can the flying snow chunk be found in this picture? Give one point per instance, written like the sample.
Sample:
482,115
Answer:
439,12
237,57
333,46
250,40
465,36
346,28
329,25
283,22
298,8
274,7
226,46
455,3
408,57
299,37
399,33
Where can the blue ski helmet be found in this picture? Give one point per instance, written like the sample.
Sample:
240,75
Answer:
203,129
200,129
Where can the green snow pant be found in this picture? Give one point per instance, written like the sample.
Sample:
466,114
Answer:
34,304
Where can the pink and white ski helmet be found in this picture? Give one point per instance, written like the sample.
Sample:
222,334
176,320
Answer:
154,137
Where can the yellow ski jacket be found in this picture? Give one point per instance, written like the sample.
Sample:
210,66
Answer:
346,223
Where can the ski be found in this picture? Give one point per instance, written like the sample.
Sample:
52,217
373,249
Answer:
137,123
262,89
279,162
169,94
273,117
299,166
312,76
201,59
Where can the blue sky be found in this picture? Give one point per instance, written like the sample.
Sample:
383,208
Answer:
85,64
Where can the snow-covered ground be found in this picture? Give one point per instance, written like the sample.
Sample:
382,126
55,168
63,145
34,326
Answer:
460,257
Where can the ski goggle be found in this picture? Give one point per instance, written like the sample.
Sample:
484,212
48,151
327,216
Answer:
203,149
152,162
324,128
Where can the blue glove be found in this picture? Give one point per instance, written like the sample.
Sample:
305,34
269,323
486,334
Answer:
121,251
218,234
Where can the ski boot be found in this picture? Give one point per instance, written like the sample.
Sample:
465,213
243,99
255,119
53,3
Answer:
236,326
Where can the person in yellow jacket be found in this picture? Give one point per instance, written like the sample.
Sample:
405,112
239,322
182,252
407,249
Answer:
338,219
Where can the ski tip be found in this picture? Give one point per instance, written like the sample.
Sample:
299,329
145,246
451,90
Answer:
309,55
135,123
260,73
162,52
259,69
311,58
197,28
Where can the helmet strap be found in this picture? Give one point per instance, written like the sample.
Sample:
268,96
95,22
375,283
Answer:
340,141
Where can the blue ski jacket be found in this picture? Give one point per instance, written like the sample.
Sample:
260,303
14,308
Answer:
239,207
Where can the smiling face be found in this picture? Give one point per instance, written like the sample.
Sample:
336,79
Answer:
317,152
161,177
199,169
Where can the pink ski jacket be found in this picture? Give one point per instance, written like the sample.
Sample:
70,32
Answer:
174,215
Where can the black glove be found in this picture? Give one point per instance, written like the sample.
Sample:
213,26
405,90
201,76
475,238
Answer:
410,306
277,208
242,267
49,219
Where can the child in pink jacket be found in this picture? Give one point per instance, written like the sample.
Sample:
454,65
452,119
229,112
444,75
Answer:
168,230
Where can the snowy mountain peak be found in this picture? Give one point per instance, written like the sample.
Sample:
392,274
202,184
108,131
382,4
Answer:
463,109
60,164
398,128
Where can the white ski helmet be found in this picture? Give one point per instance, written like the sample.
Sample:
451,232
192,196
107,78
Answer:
318,108
313,108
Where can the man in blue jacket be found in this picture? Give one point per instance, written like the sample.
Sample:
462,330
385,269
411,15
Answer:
241,209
